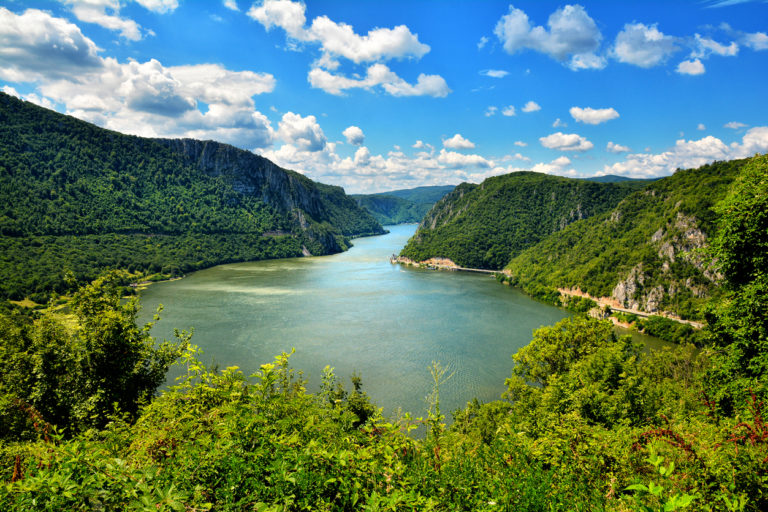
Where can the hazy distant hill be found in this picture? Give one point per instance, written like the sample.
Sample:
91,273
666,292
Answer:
645,252
430,194
402,206
612,178
76,197
484,226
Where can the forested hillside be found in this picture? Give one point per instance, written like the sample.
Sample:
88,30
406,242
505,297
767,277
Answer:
484,226
647,253
587,421
402,206
75,197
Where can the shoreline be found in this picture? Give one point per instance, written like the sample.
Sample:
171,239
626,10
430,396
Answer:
437,264
603,302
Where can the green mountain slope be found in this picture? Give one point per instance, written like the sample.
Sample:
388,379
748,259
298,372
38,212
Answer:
484,226
77,197
402,206
430,194
646,253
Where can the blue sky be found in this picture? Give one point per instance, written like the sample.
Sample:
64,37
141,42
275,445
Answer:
375,96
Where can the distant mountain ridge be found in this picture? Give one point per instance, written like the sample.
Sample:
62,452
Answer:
484,226
613,178
404,205
77,197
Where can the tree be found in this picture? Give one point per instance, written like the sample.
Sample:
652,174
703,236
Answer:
76,378
739,323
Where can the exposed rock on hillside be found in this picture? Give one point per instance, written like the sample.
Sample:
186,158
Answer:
648,253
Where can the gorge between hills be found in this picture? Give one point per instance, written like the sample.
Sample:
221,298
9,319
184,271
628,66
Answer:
357,313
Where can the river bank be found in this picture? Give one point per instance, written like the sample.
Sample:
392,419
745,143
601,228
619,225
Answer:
437,264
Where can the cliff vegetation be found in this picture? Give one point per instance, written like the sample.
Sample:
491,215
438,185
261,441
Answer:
647,253
485,226
78,198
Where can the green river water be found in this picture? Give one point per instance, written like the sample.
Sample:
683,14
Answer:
356,311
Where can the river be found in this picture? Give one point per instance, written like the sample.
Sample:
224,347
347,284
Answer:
355,311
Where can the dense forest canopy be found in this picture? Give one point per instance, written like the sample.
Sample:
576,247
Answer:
75,197
646,252
484,226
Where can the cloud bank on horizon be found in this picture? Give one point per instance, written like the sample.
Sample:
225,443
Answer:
380,97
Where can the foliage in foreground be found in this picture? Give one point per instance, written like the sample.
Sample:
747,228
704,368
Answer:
605,426
75,377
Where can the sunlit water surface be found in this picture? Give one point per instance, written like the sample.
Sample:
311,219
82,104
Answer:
357,312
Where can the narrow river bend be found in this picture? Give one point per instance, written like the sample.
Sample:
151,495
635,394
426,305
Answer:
357,312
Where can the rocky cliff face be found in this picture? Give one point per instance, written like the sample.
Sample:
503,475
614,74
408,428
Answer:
251,174
323,213
679,248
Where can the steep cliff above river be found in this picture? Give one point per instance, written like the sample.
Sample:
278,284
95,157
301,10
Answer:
80,198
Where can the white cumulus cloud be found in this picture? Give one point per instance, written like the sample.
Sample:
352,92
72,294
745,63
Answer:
159,6
642,45
616,148
452,159
593,115
686,154
379,75
735,125
494,73
339,40
691,67
556,166
757,41
303,132
508,111
354,135
531,106
570,34
705,46
566,142
35,44
106,13
458,142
